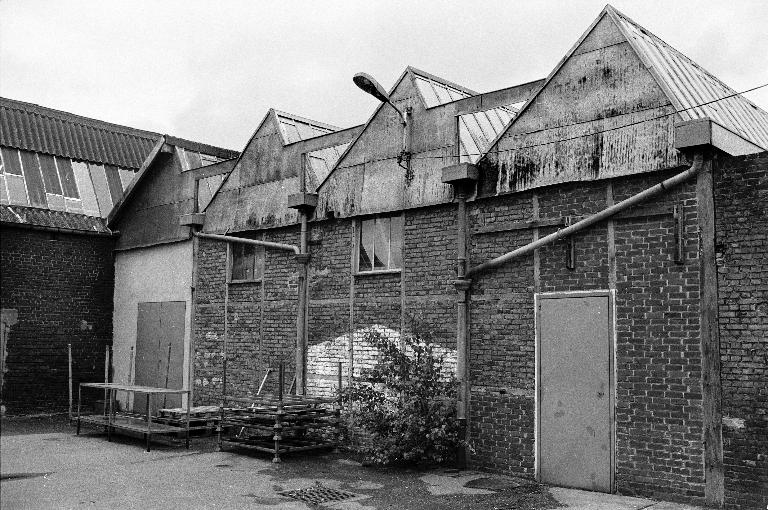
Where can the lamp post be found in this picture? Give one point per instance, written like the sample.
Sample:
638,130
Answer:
369,85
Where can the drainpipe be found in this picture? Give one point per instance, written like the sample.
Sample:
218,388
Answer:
305,203
301,313
255,242
647,194
462,178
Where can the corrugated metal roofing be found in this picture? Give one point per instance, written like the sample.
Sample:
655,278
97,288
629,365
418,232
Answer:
20,215
54,160
39,129
690,85
36,128
477,130
295,128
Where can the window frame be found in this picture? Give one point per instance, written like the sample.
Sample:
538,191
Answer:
231,264
359,239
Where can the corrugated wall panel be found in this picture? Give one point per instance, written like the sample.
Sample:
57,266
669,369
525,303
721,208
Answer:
34,179
50,175
101,187
113,179
68,184
85,187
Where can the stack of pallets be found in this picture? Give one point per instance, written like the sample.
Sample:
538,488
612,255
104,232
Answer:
200,418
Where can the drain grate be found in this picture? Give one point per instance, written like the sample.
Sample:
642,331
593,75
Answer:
317,494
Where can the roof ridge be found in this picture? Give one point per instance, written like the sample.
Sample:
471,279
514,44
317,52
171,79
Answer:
306,120
425,74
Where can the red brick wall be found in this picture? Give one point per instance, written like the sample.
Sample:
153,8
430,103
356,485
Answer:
62,286
741,202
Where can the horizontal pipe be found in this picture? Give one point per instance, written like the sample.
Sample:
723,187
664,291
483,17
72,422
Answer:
242,240
595,218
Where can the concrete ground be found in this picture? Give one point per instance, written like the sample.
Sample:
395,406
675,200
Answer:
46,466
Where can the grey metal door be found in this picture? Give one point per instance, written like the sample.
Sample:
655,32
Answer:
575,401
160,329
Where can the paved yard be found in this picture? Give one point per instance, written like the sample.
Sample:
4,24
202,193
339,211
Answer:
44,465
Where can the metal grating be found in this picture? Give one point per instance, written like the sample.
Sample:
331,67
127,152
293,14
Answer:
317,494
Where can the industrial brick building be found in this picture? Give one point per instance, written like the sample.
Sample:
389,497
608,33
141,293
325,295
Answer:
60,177
590,250
590,360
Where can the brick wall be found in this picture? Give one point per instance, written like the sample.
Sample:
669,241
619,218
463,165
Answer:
658,412
658,406
741,202
263,332
61,285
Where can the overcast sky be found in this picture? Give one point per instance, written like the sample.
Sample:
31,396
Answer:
209,70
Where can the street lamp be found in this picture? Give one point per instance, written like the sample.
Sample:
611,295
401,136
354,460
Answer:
369,85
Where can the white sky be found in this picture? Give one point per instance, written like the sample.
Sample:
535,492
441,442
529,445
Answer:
209,70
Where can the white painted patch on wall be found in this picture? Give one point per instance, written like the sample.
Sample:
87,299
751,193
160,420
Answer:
734,423
323,358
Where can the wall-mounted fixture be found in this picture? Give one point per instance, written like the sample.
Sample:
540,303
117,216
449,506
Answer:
368,84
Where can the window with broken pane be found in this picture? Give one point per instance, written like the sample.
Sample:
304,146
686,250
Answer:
381,244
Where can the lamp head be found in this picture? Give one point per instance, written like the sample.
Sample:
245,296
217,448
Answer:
368,83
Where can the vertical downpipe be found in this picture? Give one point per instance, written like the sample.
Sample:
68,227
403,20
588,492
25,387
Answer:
462,345
227,277
301,312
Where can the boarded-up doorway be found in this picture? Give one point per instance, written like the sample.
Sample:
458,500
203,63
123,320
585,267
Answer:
160,327
575,389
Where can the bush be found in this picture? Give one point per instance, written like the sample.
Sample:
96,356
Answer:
406,404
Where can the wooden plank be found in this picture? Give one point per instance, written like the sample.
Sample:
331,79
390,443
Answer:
611,239
640,211
536,254
520,225
714,490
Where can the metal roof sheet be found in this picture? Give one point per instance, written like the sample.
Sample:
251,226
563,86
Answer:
690,85
39,129
43,155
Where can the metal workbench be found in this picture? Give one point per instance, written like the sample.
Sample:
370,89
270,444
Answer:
143,424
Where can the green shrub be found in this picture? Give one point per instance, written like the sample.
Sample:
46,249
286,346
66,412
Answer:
406,404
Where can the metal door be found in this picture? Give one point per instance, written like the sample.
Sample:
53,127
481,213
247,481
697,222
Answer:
575,395
160,329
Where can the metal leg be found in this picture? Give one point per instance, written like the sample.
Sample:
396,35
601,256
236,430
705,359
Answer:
149,423
278,434
111,414
189,397
79,398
